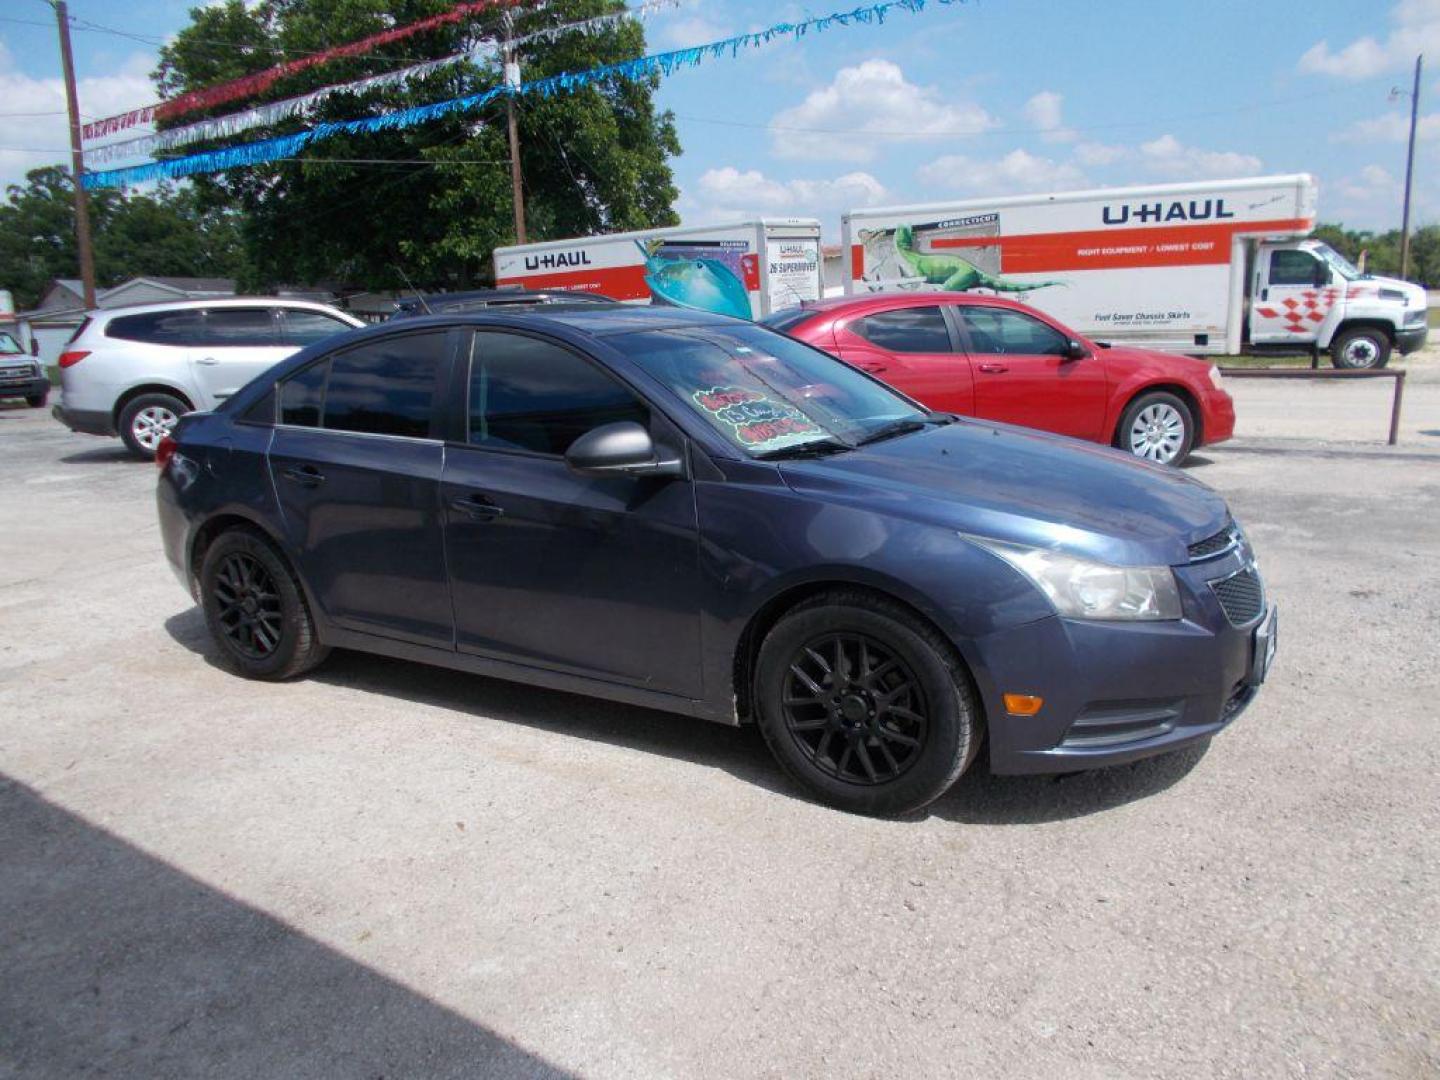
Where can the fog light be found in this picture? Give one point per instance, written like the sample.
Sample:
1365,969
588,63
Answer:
1023,704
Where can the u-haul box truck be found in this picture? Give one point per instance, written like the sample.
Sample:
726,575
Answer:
1196,268
747,269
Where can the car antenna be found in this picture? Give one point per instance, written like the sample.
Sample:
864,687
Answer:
411,286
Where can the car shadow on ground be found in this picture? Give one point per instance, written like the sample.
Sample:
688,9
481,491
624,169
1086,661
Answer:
112,454
980,798
117,963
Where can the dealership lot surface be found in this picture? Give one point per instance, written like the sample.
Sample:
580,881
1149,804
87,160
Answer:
393,870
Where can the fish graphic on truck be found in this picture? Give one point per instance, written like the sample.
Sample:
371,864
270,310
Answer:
746,269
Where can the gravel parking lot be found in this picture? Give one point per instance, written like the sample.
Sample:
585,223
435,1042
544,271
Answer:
391,870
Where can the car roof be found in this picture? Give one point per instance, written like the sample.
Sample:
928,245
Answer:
498,297
840,305
602,320
103,314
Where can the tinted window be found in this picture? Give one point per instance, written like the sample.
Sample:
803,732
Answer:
996,330
907,330
262,412
160,327
385,388
302,395
1292,268
528,394
307,327
234,327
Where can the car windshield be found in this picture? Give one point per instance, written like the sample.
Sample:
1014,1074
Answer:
8,344
767,393
1348,270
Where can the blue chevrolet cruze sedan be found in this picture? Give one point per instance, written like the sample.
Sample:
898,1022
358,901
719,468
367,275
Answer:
698,514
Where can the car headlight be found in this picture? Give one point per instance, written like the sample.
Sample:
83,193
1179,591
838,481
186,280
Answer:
1216,379
1082,589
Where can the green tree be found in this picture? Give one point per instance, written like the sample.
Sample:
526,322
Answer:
164,232
435,198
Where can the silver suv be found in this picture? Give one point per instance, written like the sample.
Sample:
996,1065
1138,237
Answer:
133,371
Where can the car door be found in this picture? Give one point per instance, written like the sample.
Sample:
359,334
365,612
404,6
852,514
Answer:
1283,308
236,344
1024,375
356,462
586,575
912,348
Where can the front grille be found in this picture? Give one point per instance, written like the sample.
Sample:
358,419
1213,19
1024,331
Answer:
1242,596
1218,544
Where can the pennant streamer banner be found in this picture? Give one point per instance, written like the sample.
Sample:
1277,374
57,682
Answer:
258,83
657,64
274,112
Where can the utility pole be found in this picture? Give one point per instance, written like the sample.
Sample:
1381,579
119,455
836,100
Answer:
512,83
77,159
1409,172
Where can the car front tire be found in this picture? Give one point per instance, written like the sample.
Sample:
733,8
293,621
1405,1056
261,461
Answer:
255,610
36,401
1159,427
864,705
148,419
1360,349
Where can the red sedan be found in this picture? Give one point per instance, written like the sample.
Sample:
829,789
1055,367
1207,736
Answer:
998,360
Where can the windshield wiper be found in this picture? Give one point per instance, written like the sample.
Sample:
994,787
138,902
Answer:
813,448
901,427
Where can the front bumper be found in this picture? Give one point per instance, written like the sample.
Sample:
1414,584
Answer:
26,388
1411,339
84,421
1118,692
1217,417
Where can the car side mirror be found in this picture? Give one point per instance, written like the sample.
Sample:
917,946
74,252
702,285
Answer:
624,448
34,346
1075,350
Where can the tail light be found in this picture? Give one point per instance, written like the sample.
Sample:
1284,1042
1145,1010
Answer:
164,451
74,356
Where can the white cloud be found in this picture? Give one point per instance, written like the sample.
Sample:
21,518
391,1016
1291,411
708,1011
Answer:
865,106
1415,29
1043,111
1090,153
1016,171
1172,159
730,192
1390,127
45,139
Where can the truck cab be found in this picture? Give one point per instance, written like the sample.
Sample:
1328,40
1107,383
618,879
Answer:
1304,294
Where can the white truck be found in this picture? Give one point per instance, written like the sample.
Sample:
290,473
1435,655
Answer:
748,269
1219,267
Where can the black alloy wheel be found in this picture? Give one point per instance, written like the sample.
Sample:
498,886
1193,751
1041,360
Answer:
855,709
255,608
865,704
248,604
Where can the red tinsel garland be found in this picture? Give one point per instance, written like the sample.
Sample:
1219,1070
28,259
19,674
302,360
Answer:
258,83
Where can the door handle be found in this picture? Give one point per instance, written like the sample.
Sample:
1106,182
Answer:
1264,294
208,361
476,507
304,475
994,369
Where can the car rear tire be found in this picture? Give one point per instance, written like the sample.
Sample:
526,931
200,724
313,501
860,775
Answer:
1360,348
147,419
255,609
864,705
1159,427
36,401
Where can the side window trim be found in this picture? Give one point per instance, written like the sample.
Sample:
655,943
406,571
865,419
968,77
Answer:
465,369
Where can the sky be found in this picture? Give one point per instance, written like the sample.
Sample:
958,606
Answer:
966,100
